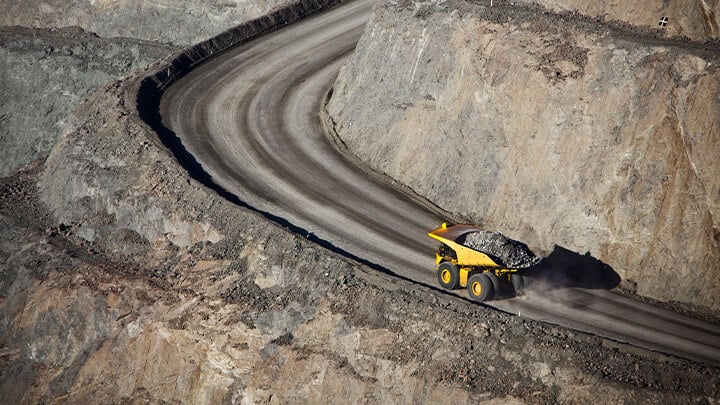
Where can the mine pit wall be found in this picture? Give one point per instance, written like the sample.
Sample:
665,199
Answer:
45,73
550,133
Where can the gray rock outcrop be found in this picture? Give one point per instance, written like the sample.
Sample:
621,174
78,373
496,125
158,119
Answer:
45,73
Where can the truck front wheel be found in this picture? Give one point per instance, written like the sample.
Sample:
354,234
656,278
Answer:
448,275
480,287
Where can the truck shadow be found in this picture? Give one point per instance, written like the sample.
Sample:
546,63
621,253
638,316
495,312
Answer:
564,268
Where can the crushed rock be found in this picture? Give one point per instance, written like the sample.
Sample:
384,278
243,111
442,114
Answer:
510,252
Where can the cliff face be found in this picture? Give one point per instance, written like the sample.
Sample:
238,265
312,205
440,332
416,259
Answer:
597,138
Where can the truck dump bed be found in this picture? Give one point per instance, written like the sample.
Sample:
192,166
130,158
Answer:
466,256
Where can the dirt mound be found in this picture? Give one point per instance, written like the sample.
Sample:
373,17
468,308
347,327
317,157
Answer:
510,252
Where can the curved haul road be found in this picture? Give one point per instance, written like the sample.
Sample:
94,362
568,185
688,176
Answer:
250,117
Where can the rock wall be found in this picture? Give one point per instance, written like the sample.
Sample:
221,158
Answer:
553,129
175,22
44,74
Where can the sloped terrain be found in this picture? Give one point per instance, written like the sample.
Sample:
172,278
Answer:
556,129
45,73
178,23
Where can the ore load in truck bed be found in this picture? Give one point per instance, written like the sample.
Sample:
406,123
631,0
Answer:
511,253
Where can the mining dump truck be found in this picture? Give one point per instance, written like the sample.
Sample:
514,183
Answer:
471,257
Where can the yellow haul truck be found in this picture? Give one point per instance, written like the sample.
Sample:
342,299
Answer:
461,266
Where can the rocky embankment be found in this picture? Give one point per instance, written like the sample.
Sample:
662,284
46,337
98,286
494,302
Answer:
45,73
178,23
556,129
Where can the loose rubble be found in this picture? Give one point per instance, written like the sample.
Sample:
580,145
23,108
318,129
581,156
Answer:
510,252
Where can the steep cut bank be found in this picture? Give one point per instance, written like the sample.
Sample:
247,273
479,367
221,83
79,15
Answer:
178,23
45,73
555,130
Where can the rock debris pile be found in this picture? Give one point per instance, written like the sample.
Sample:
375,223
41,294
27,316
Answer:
510,252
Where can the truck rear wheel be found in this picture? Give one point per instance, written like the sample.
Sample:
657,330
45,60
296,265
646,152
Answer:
480,287
518,283
448,275
495,282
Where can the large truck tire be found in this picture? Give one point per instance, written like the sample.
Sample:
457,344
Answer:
448,275
480,287
495,282
518,283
